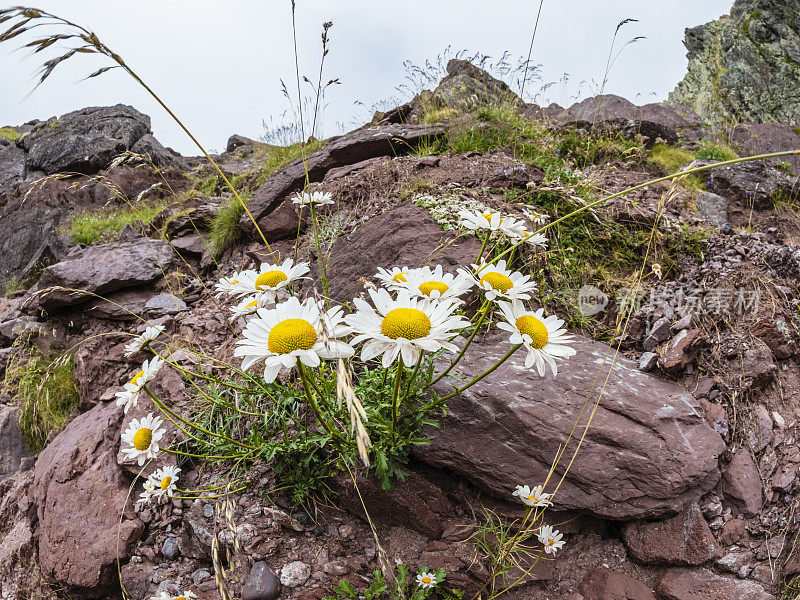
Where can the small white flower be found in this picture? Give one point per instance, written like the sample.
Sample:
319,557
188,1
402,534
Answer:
499,282
129,397
490,221
393,279
657,270
426,580
290,332
149,489
227,285
139,342
165,596
143,436
537,240
543,336
535,217
550,539
312,198
249,305
436,285
403,327
163,482
535,497
270,279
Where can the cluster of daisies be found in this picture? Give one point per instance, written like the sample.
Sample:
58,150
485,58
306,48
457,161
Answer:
536,499
415,311
514,229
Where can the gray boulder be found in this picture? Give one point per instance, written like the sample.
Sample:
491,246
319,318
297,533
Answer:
649,452
104,268
12,449
12,167
85,141
743,67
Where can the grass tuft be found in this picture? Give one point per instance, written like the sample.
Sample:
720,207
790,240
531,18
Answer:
9,133
225,229
100,225
667,159
717,152
46,391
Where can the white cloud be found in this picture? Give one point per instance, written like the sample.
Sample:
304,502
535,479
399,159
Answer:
219,65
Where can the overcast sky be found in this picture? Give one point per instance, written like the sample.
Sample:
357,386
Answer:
218,65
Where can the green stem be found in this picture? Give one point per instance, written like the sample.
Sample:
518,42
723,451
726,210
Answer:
460,355
312,402
475,380
397,378
322,268
413,376
483,247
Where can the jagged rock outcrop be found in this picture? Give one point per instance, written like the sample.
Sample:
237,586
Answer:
649,452
467,87
745,67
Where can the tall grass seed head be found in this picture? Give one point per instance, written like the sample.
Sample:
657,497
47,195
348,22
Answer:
290,332
543,337
403,327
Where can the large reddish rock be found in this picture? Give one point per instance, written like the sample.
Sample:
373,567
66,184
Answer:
682,540
104,268
357,146
741,484
682,584
751,139
81,496
605,584
403,236
648,453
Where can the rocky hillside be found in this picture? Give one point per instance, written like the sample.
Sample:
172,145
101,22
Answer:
745,67
686,482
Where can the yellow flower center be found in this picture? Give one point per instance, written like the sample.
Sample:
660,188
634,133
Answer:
488,217
252,304
433,286
498,281
135,380
142,439
533,327
532,498
290,335
426,579
270,279
165,482
399,278
408,323
234,281
550,541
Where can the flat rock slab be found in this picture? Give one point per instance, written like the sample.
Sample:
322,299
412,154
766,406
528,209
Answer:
648,452
403,236
679,584
104,268
355,147
80,494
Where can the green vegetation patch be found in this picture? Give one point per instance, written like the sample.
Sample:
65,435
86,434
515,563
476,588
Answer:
717,152
100,225
225,229
278,157
45,389
9,133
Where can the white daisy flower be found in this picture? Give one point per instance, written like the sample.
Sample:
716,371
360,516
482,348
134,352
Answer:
403,327
227,285
149,490
249,305
129,397
426,580
657,270
165,596
537,240
143,436
312,198
499,282
270,279
550,538
436,285
490,221
163,481
394,278
290,332
535,497
543,336
143,340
